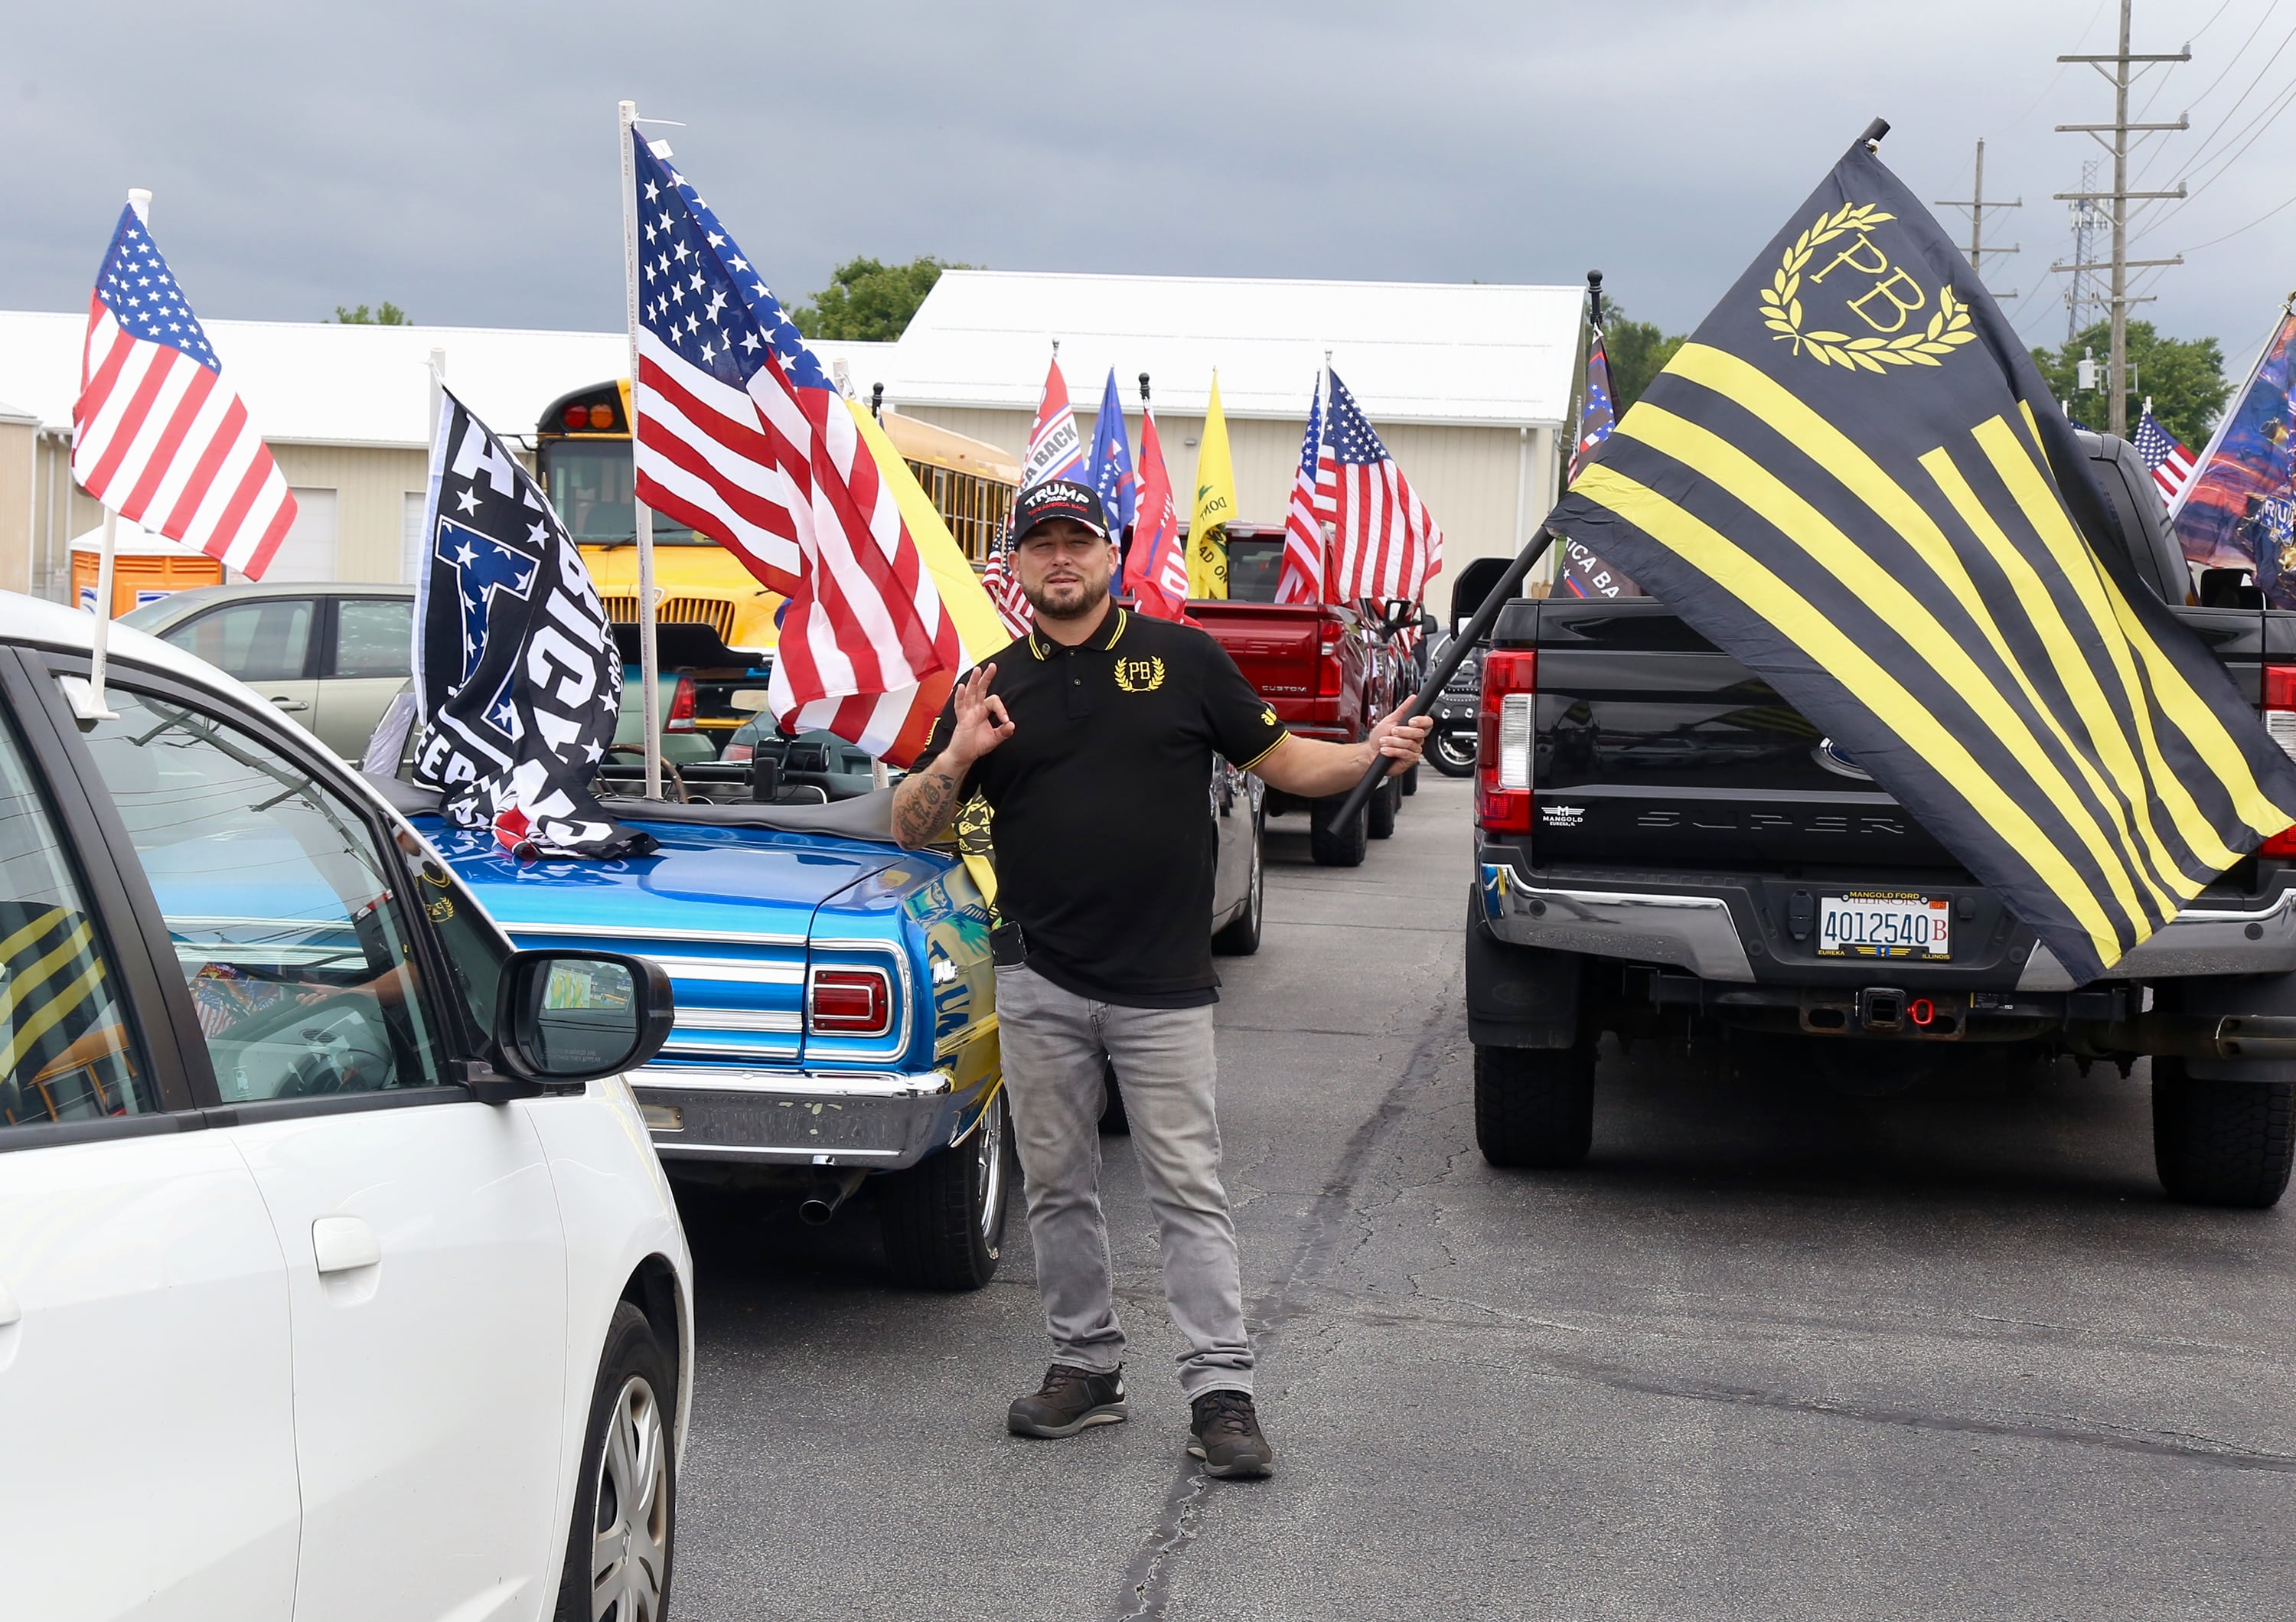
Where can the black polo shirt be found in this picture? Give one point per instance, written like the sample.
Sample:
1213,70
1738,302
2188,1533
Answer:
1105,847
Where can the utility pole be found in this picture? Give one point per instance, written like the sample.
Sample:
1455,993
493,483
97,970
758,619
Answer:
1977,206
2118,63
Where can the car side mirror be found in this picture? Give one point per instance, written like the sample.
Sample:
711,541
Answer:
564,1019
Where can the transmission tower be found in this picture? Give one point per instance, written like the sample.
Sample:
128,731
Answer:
2088,224
1976,205
2115,68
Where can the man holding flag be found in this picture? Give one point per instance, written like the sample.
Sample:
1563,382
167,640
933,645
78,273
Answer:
1094,733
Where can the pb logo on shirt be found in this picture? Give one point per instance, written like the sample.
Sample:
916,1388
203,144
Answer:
1139,675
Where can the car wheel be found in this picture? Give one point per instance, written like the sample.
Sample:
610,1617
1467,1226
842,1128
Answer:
943,1219
1452,753
2221,1142
1336,846
1114,1120
1386,801
618,1557
1240,935
1535,1106
1410,781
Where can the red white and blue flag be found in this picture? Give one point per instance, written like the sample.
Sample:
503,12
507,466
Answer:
1156,570
158,435
742,435
2172,463
1312,486
1585,575
1055,449
1387,546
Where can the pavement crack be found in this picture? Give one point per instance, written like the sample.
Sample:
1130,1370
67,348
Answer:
1146,1580
1148,1575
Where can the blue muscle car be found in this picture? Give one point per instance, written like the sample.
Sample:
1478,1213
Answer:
836,1009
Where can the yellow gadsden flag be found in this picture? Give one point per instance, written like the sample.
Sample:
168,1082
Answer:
1215,506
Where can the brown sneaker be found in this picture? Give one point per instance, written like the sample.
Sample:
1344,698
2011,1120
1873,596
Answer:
1069,1399
1225,1436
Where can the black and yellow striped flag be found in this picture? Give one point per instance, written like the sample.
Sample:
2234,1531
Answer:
1853,479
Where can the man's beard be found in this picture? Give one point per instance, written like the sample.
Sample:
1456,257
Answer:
1087,604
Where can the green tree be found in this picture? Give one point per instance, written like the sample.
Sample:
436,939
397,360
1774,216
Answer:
389,316
2185,376
870,300
1637,350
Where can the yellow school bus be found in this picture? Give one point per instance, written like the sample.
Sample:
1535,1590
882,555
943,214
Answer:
582,452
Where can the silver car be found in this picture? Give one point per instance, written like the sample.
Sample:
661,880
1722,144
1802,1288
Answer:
329,655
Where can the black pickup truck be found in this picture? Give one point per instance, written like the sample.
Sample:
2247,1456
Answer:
1665,848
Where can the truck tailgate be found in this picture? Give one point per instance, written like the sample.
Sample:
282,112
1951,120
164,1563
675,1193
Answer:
1655,748
1273,644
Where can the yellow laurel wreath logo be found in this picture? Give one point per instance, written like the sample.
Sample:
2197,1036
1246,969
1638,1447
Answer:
1947,329
1268,717
1140,674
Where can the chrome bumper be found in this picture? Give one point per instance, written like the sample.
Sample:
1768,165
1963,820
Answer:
2198,940
1698,933
1693,932
881,1121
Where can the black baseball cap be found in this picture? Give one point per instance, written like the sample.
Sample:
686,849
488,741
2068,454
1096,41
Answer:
1058,498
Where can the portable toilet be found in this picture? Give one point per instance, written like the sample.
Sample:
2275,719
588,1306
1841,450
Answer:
145,567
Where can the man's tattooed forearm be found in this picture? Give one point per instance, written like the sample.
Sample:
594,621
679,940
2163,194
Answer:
921,810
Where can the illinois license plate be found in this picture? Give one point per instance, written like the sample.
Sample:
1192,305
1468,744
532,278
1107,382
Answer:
1885,923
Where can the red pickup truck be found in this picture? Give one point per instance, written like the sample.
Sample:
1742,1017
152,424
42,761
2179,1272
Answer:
1330,671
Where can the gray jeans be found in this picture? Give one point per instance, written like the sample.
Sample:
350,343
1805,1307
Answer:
1052,1040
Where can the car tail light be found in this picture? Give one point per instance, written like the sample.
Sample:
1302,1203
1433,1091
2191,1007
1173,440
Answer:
2280,722
680,718
1327,661
1502,763
850,1001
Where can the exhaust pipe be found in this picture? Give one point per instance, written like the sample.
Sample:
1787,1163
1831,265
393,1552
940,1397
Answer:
817,1207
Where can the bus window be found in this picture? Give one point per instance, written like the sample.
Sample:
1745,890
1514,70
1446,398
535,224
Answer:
589,484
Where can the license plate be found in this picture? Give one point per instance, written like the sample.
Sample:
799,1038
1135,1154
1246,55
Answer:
1884,924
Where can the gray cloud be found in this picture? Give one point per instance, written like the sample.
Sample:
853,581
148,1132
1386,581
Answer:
459,158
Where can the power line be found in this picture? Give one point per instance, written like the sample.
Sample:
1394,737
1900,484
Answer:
2251,226
1976,207
2122,127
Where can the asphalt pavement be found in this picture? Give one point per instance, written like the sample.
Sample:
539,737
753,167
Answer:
1774,1352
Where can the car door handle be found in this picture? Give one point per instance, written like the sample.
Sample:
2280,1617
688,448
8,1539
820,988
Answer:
343,1244
285,703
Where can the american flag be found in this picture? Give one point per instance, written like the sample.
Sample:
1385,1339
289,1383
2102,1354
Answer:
2172,463
1055,449
743,435
1388,547
1583,574
1011,603
157,435
1597,415
1302,579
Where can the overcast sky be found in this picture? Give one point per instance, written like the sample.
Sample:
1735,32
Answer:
459,158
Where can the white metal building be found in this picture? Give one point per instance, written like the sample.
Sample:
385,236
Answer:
1468,386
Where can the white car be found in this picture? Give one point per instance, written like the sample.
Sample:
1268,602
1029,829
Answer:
338,1277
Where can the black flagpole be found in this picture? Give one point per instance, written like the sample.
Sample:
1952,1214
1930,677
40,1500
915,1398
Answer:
1472,633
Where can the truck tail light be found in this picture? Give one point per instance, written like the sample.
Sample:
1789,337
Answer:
2280,723
1327,661
850,1001
1503,743
680,718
